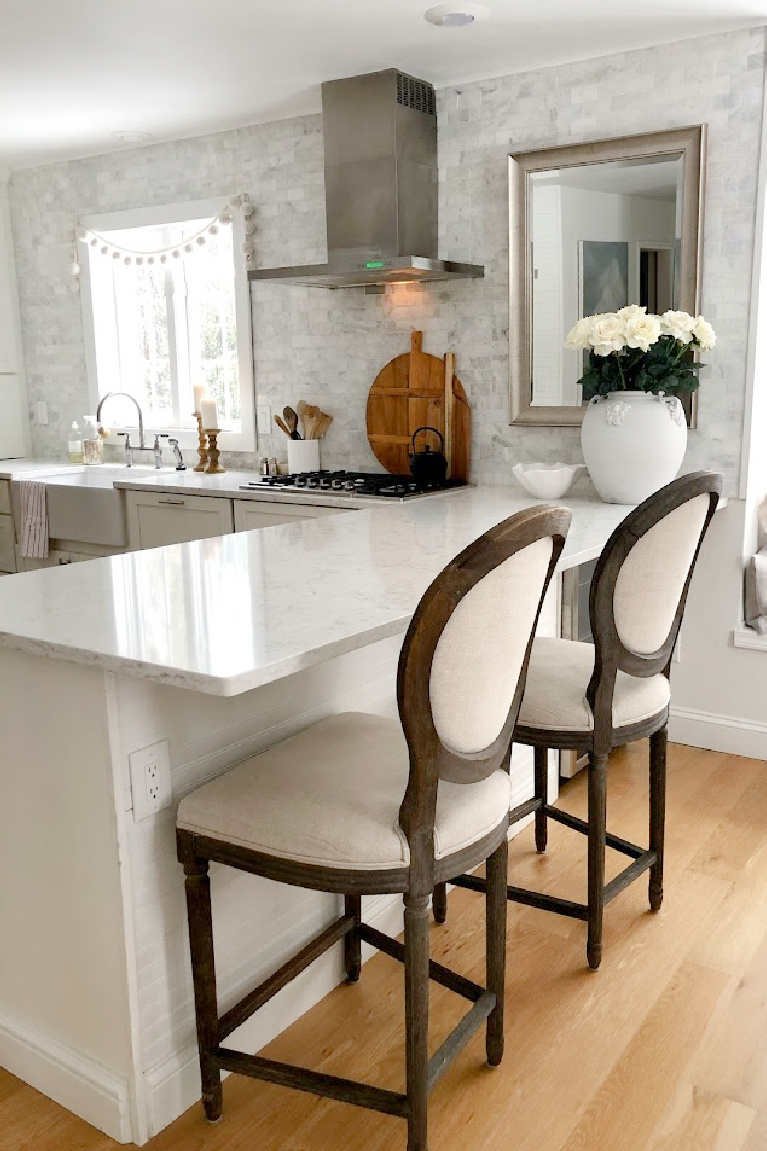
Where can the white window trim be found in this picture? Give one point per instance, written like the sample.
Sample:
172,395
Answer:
243,441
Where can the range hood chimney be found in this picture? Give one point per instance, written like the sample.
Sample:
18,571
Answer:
380,134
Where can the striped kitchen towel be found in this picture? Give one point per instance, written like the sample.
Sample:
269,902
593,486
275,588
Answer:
34,520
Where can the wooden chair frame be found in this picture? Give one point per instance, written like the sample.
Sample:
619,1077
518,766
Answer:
611,656
430,761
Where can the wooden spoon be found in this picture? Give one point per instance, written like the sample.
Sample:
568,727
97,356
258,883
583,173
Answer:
291,420
301,408
281,424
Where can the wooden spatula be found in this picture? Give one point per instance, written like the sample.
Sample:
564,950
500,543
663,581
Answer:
322,427
311,419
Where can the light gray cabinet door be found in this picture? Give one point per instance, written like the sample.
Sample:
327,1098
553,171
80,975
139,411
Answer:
155,519
249,514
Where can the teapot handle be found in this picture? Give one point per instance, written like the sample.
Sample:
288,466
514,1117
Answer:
427,428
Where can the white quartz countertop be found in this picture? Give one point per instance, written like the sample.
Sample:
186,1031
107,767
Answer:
225,615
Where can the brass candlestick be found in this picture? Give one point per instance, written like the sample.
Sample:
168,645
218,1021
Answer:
203,447
214,467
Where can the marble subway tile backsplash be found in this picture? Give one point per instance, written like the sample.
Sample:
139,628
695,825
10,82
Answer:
328,346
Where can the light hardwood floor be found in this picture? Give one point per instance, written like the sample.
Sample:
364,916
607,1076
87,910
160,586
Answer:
665,1049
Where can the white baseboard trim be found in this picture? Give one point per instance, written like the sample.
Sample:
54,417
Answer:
173,1086
97,1094
718,732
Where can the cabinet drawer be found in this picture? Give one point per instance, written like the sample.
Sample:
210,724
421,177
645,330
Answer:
7,545
250,514
5,497
155,518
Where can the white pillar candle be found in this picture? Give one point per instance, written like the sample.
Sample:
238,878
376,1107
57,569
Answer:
199,396
209,413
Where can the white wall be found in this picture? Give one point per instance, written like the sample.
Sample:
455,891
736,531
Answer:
548,325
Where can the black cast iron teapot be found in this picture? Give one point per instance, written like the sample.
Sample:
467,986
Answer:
428,467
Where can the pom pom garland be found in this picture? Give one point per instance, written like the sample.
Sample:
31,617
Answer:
129,257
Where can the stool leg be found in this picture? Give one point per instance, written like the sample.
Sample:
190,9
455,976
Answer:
416,1017
495,947
197,886
439,903
597,834
542,793
658,745
352,941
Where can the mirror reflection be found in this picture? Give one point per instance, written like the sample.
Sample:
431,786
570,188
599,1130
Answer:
601,236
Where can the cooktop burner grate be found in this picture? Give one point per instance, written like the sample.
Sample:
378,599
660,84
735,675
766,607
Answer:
356,483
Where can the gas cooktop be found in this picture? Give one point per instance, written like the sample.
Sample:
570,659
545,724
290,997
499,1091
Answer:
344,483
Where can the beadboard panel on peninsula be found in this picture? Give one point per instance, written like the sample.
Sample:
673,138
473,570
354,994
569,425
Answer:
328,346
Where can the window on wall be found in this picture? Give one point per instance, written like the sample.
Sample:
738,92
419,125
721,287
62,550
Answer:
157,330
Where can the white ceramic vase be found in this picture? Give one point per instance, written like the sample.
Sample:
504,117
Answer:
633,444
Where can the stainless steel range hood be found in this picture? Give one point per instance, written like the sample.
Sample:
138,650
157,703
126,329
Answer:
380,134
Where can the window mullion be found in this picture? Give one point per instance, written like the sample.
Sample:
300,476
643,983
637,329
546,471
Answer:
173,341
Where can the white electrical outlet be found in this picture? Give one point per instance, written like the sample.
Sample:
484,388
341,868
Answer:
150,779
264,419
42,412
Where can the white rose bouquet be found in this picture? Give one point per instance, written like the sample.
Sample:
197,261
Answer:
631,350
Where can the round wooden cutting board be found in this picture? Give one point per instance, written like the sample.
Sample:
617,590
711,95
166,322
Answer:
413,390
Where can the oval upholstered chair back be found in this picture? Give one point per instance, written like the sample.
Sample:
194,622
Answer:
640,584
464,658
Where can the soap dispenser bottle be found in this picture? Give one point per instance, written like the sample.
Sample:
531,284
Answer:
75,444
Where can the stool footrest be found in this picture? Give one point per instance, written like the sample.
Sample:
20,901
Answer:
529,898
629,874
459,1037
526,808
265,991
576,824
315,1082
442,975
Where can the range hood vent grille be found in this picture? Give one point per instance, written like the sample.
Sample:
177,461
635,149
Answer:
413,93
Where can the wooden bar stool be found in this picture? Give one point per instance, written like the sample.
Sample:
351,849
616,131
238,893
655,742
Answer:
354,806
599,697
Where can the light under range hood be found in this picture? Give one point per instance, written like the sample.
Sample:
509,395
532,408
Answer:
380,135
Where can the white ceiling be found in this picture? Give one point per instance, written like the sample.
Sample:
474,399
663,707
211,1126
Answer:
653,178
74,72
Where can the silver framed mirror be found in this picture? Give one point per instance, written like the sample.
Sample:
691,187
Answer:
593,227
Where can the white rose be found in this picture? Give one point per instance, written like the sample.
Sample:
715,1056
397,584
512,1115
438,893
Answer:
679,325
704,334
608,333
630,311
578,337
642,331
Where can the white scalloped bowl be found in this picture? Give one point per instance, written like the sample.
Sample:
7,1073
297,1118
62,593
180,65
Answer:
547,481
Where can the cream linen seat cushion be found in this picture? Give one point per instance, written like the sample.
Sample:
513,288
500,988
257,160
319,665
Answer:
330,796
555,692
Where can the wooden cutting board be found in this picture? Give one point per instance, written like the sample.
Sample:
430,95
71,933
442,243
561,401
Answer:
413,390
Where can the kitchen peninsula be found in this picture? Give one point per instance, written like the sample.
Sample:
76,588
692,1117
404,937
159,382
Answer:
216,649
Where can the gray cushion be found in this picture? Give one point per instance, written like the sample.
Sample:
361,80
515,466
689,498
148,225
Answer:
331,795
756,592
555,692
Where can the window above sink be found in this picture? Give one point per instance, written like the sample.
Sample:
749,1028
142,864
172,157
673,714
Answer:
157,327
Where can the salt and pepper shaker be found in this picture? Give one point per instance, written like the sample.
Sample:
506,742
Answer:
273,469
263,466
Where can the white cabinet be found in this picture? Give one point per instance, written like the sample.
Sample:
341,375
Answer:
12,417
249,514
155,519
9,351
13,397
